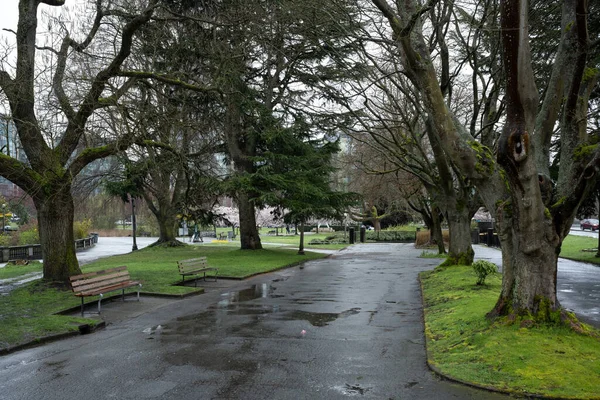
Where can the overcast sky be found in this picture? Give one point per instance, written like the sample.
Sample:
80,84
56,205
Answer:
9,16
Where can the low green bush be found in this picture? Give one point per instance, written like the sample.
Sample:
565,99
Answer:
5,240
483,268
29,236
391,236
81,229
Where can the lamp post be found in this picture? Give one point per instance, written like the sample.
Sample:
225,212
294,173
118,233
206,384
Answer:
3,217
133,224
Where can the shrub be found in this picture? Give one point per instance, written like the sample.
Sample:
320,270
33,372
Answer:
29,236
392,236
5,240
81,229
483,268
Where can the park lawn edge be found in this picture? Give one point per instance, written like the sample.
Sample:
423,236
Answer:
477,354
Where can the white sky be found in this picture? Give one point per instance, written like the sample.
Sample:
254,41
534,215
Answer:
9,16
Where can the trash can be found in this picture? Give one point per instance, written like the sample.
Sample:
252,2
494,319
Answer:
363,232
351,235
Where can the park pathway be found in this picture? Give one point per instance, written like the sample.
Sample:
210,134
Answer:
346,326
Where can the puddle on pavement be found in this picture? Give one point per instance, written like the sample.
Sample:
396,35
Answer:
352,390
320,319
215,318
153,330
252,293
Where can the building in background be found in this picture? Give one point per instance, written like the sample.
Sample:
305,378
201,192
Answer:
10,145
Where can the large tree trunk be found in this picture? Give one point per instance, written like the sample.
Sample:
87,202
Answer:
166,216
249,237
55,211
460,250
529,278
167,230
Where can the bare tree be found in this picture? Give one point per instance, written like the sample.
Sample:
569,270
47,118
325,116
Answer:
53,161
532,218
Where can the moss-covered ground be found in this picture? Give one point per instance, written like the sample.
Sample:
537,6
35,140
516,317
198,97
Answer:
544,360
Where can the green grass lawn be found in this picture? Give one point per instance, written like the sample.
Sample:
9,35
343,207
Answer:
28,312
573,245
463,344
293,241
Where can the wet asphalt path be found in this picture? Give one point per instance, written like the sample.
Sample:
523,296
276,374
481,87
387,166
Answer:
346,326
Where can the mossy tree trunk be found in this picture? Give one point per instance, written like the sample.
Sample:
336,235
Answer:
460,249
55,212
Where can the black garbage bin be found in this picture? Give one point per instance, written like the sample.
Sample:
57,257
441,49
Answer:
363,232
351,235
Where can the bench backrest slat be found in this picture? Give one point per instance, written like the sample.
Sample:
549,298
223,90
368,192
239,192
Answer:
99,279
94,273
192,264
111,281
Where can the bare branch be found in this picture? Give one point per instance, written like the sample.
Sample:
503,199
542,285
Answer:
170,80
57,80
92,98
95,26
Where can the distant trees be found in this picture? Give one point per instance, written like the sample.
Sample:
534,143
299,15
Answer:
270,62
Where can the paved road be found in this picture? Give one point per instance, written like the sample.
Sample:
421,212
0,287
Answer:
576,231
349,325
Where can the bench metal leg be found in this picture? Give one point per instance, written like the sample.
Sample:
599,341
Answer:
123,295
82,306
100,303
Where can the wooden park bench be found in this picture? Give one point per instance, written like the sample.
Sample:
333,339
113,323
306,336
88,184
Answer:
195,267
98,283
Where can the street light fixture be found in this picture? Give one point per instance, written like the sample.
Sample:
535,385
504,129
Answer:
3,217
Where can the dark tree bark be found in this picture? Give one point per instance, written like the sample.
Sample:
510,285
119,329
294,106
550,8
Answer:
301,245
460,249
432,216
55,224
249,238
436,229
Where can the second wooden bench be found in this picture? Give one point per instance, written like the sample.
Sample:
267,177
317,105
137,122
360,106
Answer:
195,267
98,283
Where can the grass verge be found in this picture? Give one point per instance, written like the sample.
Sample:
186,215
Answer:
573,248
27,313
462,344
